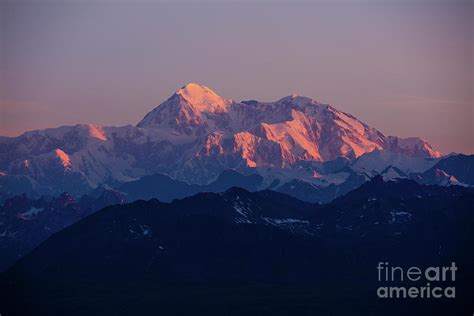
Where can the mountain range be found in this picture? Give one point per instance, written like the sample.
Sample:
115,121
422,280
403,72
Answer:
195,135
218,207
196,142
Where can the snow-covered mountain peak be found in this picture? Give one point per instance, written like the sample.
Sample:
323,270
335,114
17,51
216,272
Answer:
187,109
202,98
413,146
297,100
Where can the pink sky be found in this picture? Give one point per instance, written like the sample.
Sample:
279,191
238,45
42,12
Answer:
403,67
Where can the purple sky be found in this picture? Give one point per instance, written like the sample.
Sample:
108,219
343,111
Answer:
404,67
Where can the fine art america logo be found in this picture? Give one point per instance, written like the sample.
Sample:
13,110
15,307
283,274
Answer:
433,281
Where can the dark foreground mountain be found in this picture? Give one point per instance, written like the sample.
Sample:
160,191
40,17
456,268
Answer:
261,253
25,222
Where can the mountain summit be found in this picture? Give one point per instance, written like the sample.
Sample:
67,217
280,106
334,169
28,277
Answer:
202,98
194,136
184,108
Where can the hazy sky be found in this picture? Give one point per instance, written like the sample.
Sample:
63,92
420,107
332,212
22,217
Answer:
404,67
